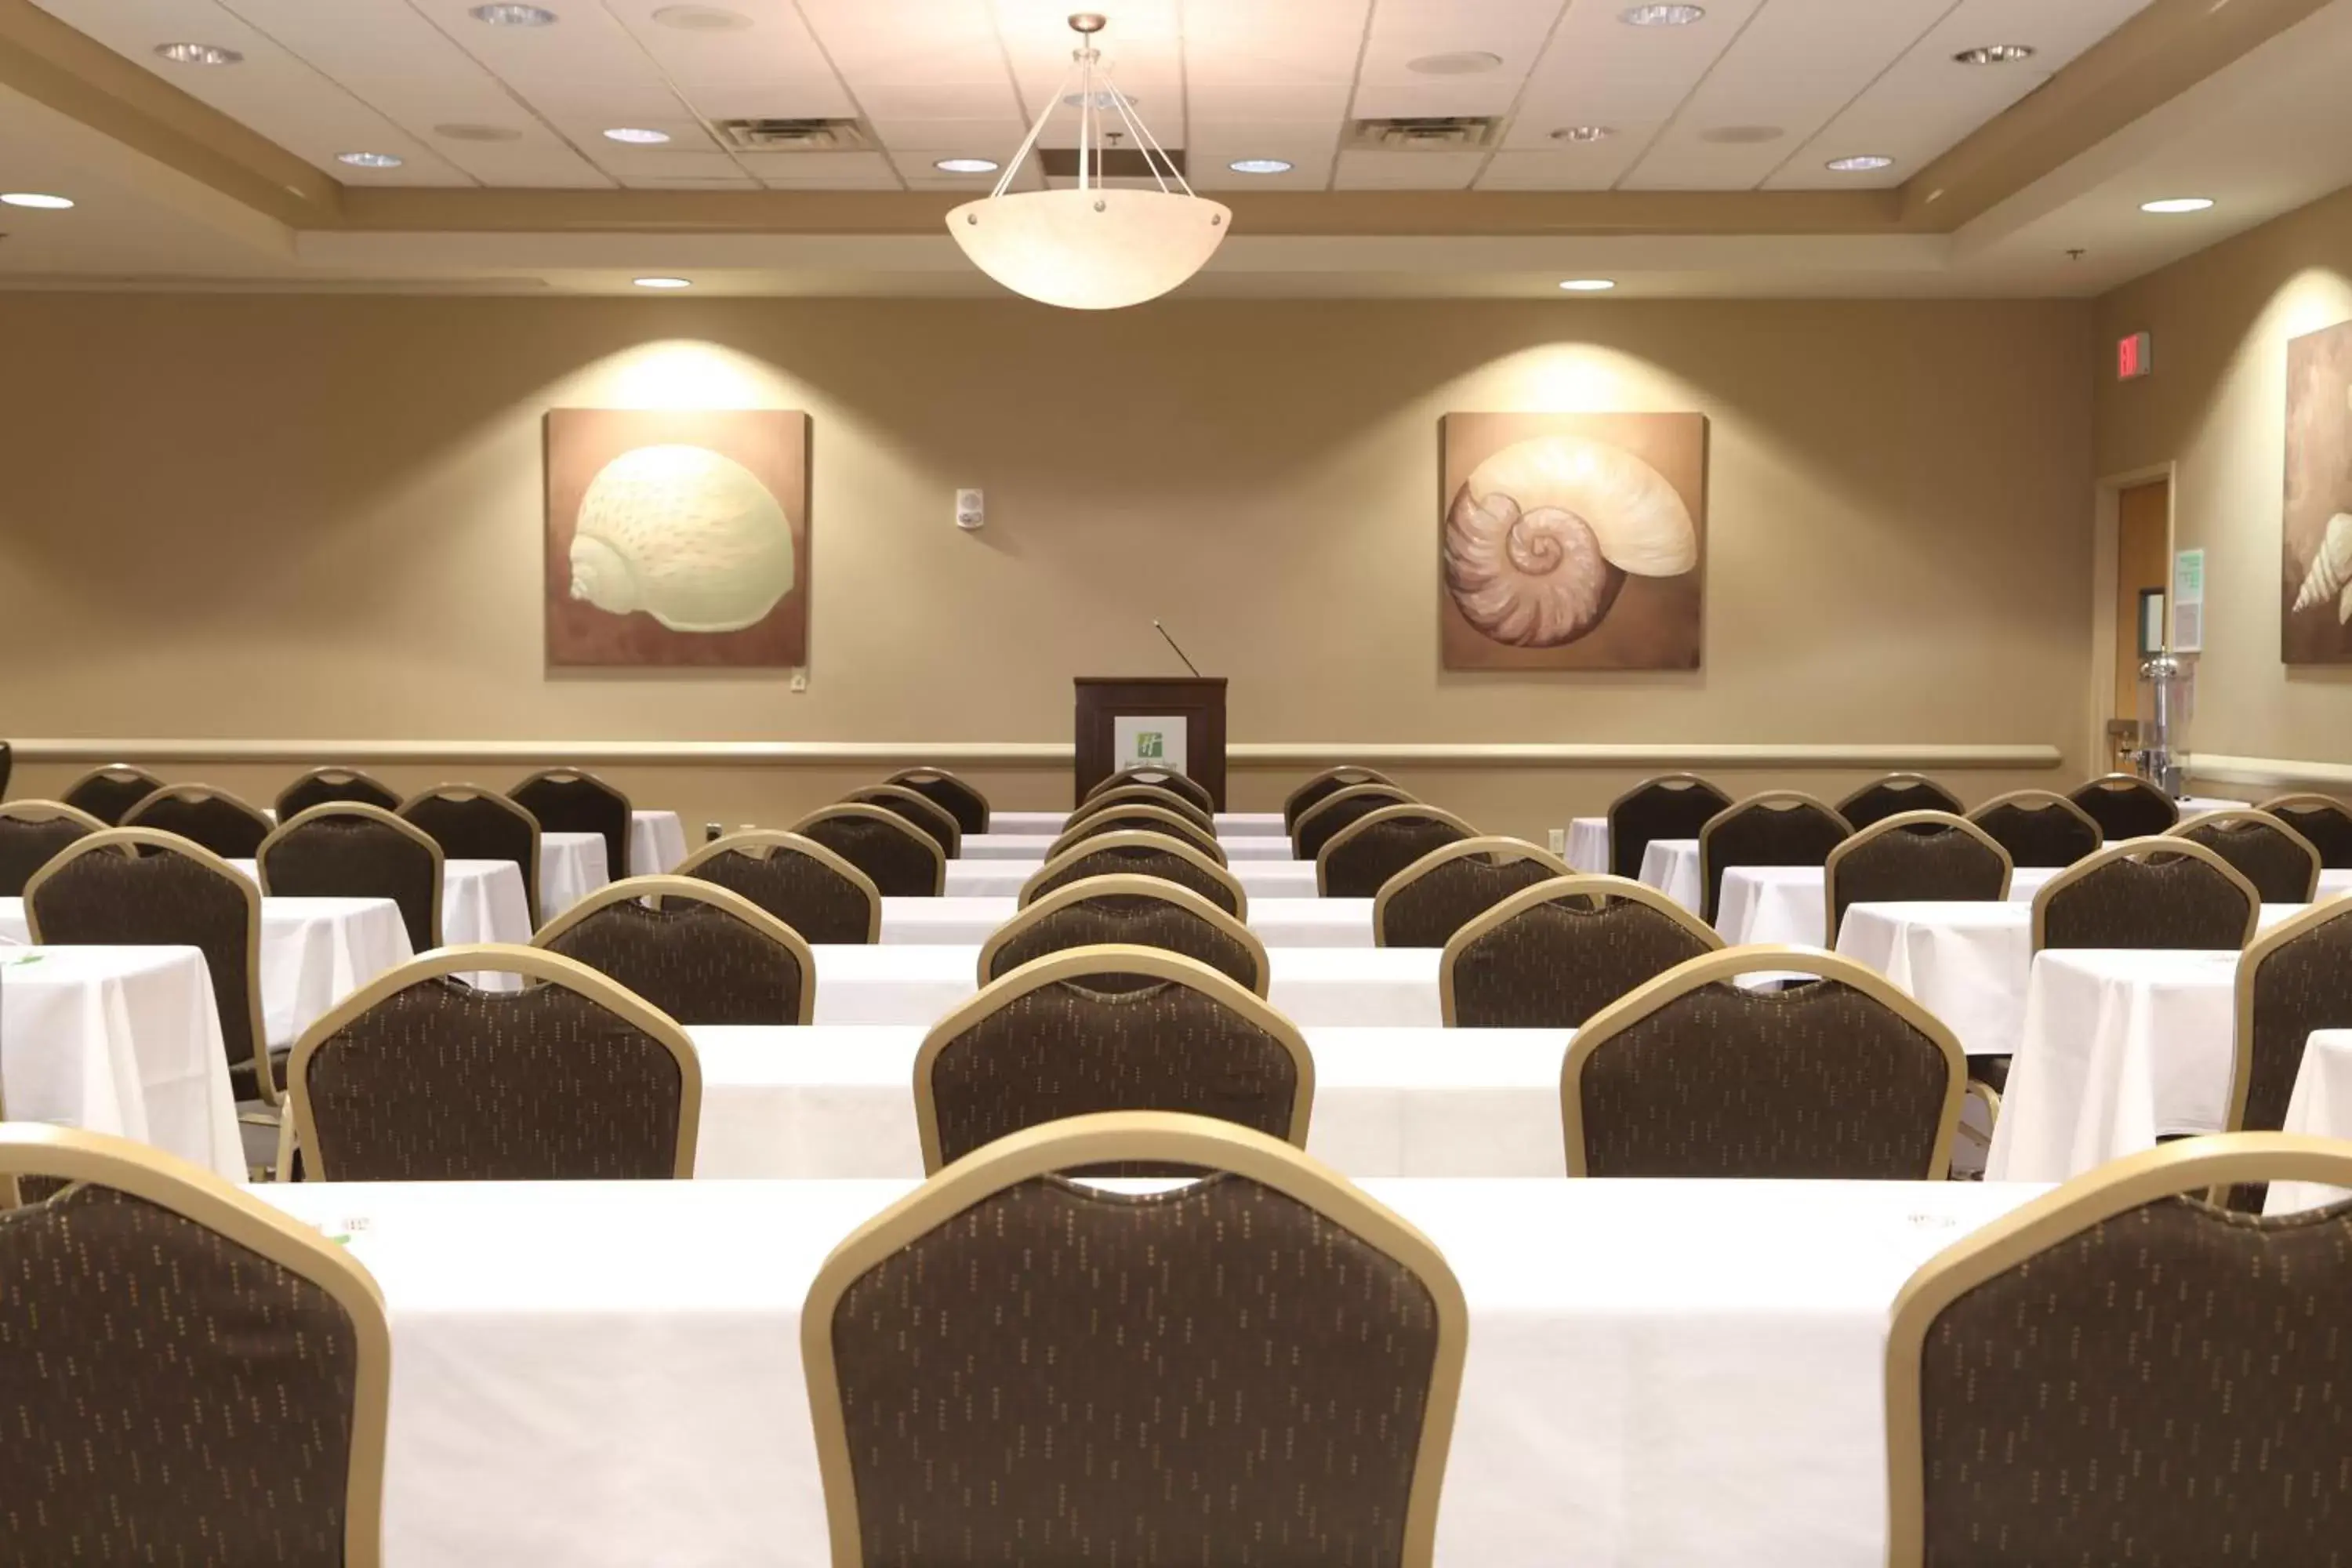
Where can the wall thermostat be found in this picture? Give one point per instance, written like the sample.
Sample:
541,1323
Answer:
971,509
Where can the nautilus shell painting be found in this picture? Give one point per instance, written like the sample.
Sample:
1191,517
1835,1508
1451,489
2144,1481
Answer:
1572,540
2315,554
677,537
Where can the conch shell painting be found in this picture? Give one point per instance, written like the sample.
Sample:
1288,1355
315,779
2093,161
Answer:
676,538
1572,540
2316,543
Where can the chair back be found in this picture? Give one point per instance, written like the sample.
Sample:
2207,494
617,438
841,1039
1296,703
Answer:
698,952
917,810
109,792
942,788
1247,1273
1145,794
1321,823
2294,978
1169,779
2125,805
2147,892
1132,853
418,1076
1911,857
2039,827
902,861
471,822
31,834
7,764
1424,904
2100,1374
1133,817
194,1377
2282,864
1330,781
1552,955
1895,794
326,786
211,818
1671,806
819,894
134,887
1128,912
567,800
344,849
2325,822
1846,1078
1778,827
1358,860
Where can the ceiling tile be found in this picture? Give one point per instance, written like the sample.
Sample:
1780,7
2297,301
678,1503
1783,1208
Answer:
1599,71
1587,166
822,170
1406,171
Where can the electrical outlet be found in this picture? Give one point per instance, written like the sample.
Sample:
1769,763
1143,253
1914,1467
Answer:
799,680
1556,840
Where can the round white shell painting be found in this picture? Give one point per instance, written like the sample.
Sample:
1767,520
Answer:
686,534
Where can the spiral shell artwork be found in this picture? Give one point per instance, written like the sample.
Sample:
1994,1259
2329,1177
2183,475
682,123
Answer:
1540,538
2331,570
686,534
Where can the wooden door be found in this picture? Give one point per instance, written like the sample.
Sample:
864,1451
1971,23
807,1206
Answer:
2143,560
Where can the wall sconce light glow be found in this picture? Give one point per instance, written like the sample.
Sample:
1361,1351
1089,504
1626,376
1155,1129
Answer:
1859,163
198,55
1588,285
967,165
35,199
2177,205
370,160
663,283
636,135
1260,165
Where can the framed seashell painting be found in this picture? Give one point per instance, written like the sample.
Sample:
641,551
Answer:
2315,564
1572,541
677,537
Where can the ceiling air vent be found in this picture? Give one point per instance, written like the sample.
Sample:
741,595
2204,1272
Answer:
795,135
1447,134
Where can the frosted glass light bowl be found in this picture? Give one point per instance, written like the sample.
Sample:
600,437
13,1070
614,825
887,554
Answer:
1095,249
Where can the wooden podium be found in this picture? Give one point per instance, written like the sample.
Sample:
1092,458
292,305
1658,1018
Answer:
1116,728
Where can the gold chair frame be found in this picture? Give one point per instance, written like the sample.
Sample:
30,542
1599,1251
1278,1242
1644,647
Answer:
925,806
1143,795
1591,887
2305,800
766,841
1497,844
851,813
653,889
1401,810
331,775
375,813
1126,885
198,793
1388,792
2139,850
1352,773
907,775
1150,818
1905,778
2258,816
1135,838
120,772
1190,788
1900,823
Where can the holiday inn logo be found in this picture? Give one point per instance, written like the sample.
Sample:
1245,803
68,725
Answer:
1151,744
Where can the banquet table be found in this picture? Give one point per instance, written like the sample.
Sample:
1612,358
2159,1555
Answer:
1229,823
1004,879
656,842
1789,903
917,984
1588,845
1278,922
1671,866
1034,847
481,901
314,952
122,1040
570,867
837,1101
1660,1374
2320,1107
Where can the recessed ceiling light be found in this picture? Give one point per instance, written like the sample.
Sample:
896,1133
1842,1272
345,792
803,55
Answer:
967,165
2177,205
1662,15
1996,55
1459,62
663,283
1588,285
35,199
1582,133
1859,163
198,54
462,133
701,19
637,136
370,160
1741,135
505,13
1260,165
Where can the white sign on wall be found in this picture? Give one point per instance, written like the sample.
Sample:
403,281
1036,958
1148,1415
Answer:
1140,741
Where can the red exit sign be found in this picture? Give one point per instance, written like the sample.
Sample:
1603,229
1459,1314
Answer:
2135,357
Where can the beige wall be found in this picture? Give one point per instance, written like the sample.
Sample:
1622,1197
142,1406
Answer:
321,517
2217,407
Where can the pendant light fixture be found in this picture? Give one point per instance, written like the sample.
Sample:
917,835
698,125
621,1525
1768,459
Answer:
1093,247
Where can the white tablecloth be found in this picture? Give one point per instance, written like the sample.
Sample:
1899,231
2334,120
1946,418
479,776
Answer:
1034,845
570,867
481,901
1787,903
2321,1106
1004,879
314,952
1278,922
1661,1374
1230,824
2200,805
1370,986
838,1100
1588,845
1671,866
124,1040
656,842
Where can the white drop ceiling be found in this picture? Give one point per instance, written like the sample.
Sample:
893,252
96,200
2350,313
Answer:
1796,83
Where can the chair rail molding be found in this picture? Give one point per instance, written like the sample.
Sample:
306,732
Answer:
2286,773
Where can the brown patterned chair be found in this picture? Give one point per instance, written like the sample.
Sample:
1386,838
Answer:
1846,1078
1321,823
2324,823
1360,858
418,1076
944,789
2282,864
1133,911
31,834
1913,857
2120,1371
919,811
800,881
1320,1444
2159,892
694,949
1550,956
328,786
2294,978
1896,794
1169,779
902,861
1329,782
1778,827
2125,805
1109,1027
187,1376
1145,794
1131,816
1671,806
348,850
107,793
1424,904
568,800
1140,855
471,822
209,818
2039,827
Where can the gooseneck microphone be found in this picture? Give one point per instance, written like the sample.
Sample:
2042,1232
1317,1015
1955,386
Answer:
1178,648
